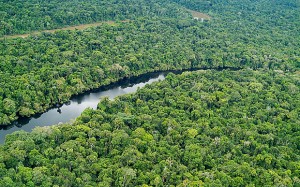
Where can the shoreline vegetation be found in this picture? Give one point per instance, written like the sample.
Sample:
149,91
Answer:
176,71
203,128
57,65
173,132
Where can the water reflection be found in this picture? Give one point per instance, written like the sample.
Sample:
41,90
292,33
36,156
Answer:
77,104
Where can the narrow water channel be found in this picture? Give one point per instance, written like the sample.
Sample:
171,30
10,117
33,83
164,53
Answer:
78,103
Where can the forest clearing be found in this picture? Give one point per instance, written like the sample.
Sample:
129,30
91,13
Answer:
77,27
199,15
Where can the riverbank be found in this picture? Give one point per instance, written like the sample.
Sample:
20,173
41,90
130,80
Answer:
107,83
73,108
77,104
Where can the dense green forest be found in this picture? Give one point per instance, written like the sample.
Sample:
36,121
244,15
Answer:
22,16
46,69
205,128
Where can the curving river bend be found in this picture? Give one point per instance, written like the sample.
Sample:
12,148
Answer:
77,104
80,102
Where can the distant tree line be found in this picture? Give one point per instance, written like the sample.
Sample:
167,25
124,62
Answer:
23,16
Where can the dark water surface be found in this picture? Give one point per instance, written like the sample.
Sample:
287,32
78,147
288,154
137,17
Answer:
78,103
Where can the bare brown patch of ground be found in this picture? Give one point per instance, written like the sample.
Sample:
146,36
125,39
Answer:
199,15
78,27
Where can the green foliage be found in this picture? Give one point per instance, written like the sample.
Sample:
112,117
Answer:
47,69
202,138
205,128
19,16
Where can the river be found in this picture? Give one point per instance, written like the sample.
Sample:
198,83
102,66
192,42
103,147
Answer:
77,104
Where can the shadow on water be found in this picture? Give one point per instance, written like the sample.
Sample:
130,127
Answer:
73,108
